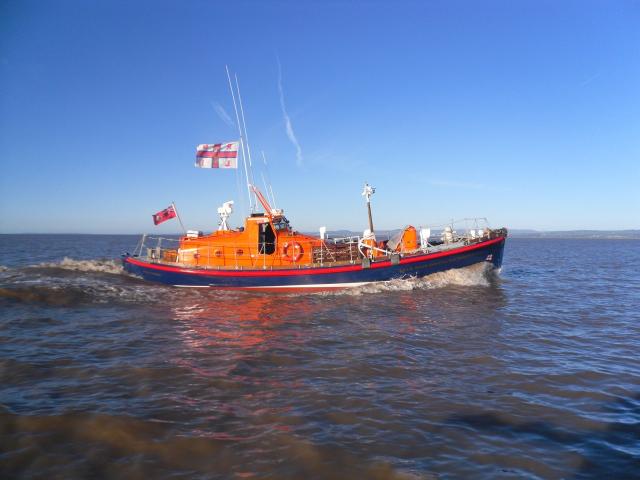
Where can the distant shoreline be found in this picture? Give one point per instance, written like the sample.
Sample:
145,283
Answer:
578,234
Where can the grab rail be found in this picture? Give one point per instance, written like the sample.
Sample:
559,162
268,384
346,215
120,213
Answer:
237,255
252,255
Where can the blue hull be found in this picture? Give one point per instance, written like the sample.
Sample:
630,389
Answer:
322,277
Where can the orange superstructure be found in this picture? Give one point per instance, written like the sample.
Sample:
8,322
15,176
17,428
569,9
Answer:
265,241
268,242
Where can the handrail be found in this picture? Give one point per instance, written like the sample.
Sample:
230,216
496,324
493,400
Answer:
248,254
252,254
451,223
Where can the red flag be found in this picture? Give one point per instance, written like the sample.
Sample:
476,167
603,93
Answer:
164,215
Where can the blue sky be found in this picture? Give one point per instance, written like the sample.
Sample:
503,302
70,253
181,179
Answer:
527,113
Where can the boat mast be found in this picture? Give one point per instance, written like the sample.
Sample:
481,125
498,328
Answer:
244,156
367,192
246,134
270,189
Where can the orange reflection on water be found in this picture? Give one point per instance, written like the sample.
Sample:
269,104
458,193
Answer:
238,319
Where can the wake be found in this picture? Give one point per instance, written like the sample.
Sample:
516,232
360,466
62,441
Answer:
98,266
479,275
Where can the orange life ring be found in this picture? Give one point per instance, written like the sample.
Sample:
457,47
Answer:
296,253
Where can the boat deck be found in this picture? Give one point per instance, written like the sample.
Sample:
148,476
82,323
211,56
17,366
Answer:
159,256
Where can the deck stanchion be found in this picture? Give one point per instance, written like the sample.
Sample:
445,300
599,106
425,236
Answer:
144,238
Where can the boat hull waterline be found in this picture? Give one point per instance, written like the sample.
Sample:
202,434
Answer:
326,277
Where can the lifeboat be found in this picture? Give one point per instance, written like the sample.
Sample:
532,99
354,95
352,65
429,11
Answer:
268,253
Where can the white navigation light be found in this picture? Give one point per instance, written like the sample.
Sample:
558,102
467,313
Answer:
225,212
368,191
323,232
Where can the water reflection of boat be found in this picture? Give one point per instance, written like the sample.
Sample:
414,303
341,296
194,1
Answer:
231,321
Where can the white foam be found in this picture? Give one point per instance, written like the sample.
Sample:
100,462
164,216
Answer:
102,266
474,275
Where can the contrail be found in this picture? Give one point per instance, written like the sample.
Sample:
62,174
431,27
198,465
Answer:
287,120
590,79
222,113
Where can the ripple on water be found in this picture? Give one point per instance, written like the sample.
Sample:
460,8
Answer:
529,374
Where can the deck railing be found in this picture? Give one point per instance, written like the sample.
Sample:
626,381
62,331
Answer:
329,251
242,255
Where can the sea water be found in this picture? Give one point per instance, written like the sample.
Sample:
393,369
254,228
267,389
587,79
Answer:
532,372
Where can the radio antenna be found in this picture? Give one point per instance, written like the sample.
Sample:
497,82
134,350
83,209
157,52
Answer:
270,189
246,135
244,156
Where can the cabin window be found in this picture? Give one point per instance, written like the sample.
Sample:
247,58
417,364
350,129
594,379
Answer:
266,239
281,223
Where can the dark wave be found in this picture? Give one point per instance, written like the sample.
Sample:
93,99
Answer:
47,295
